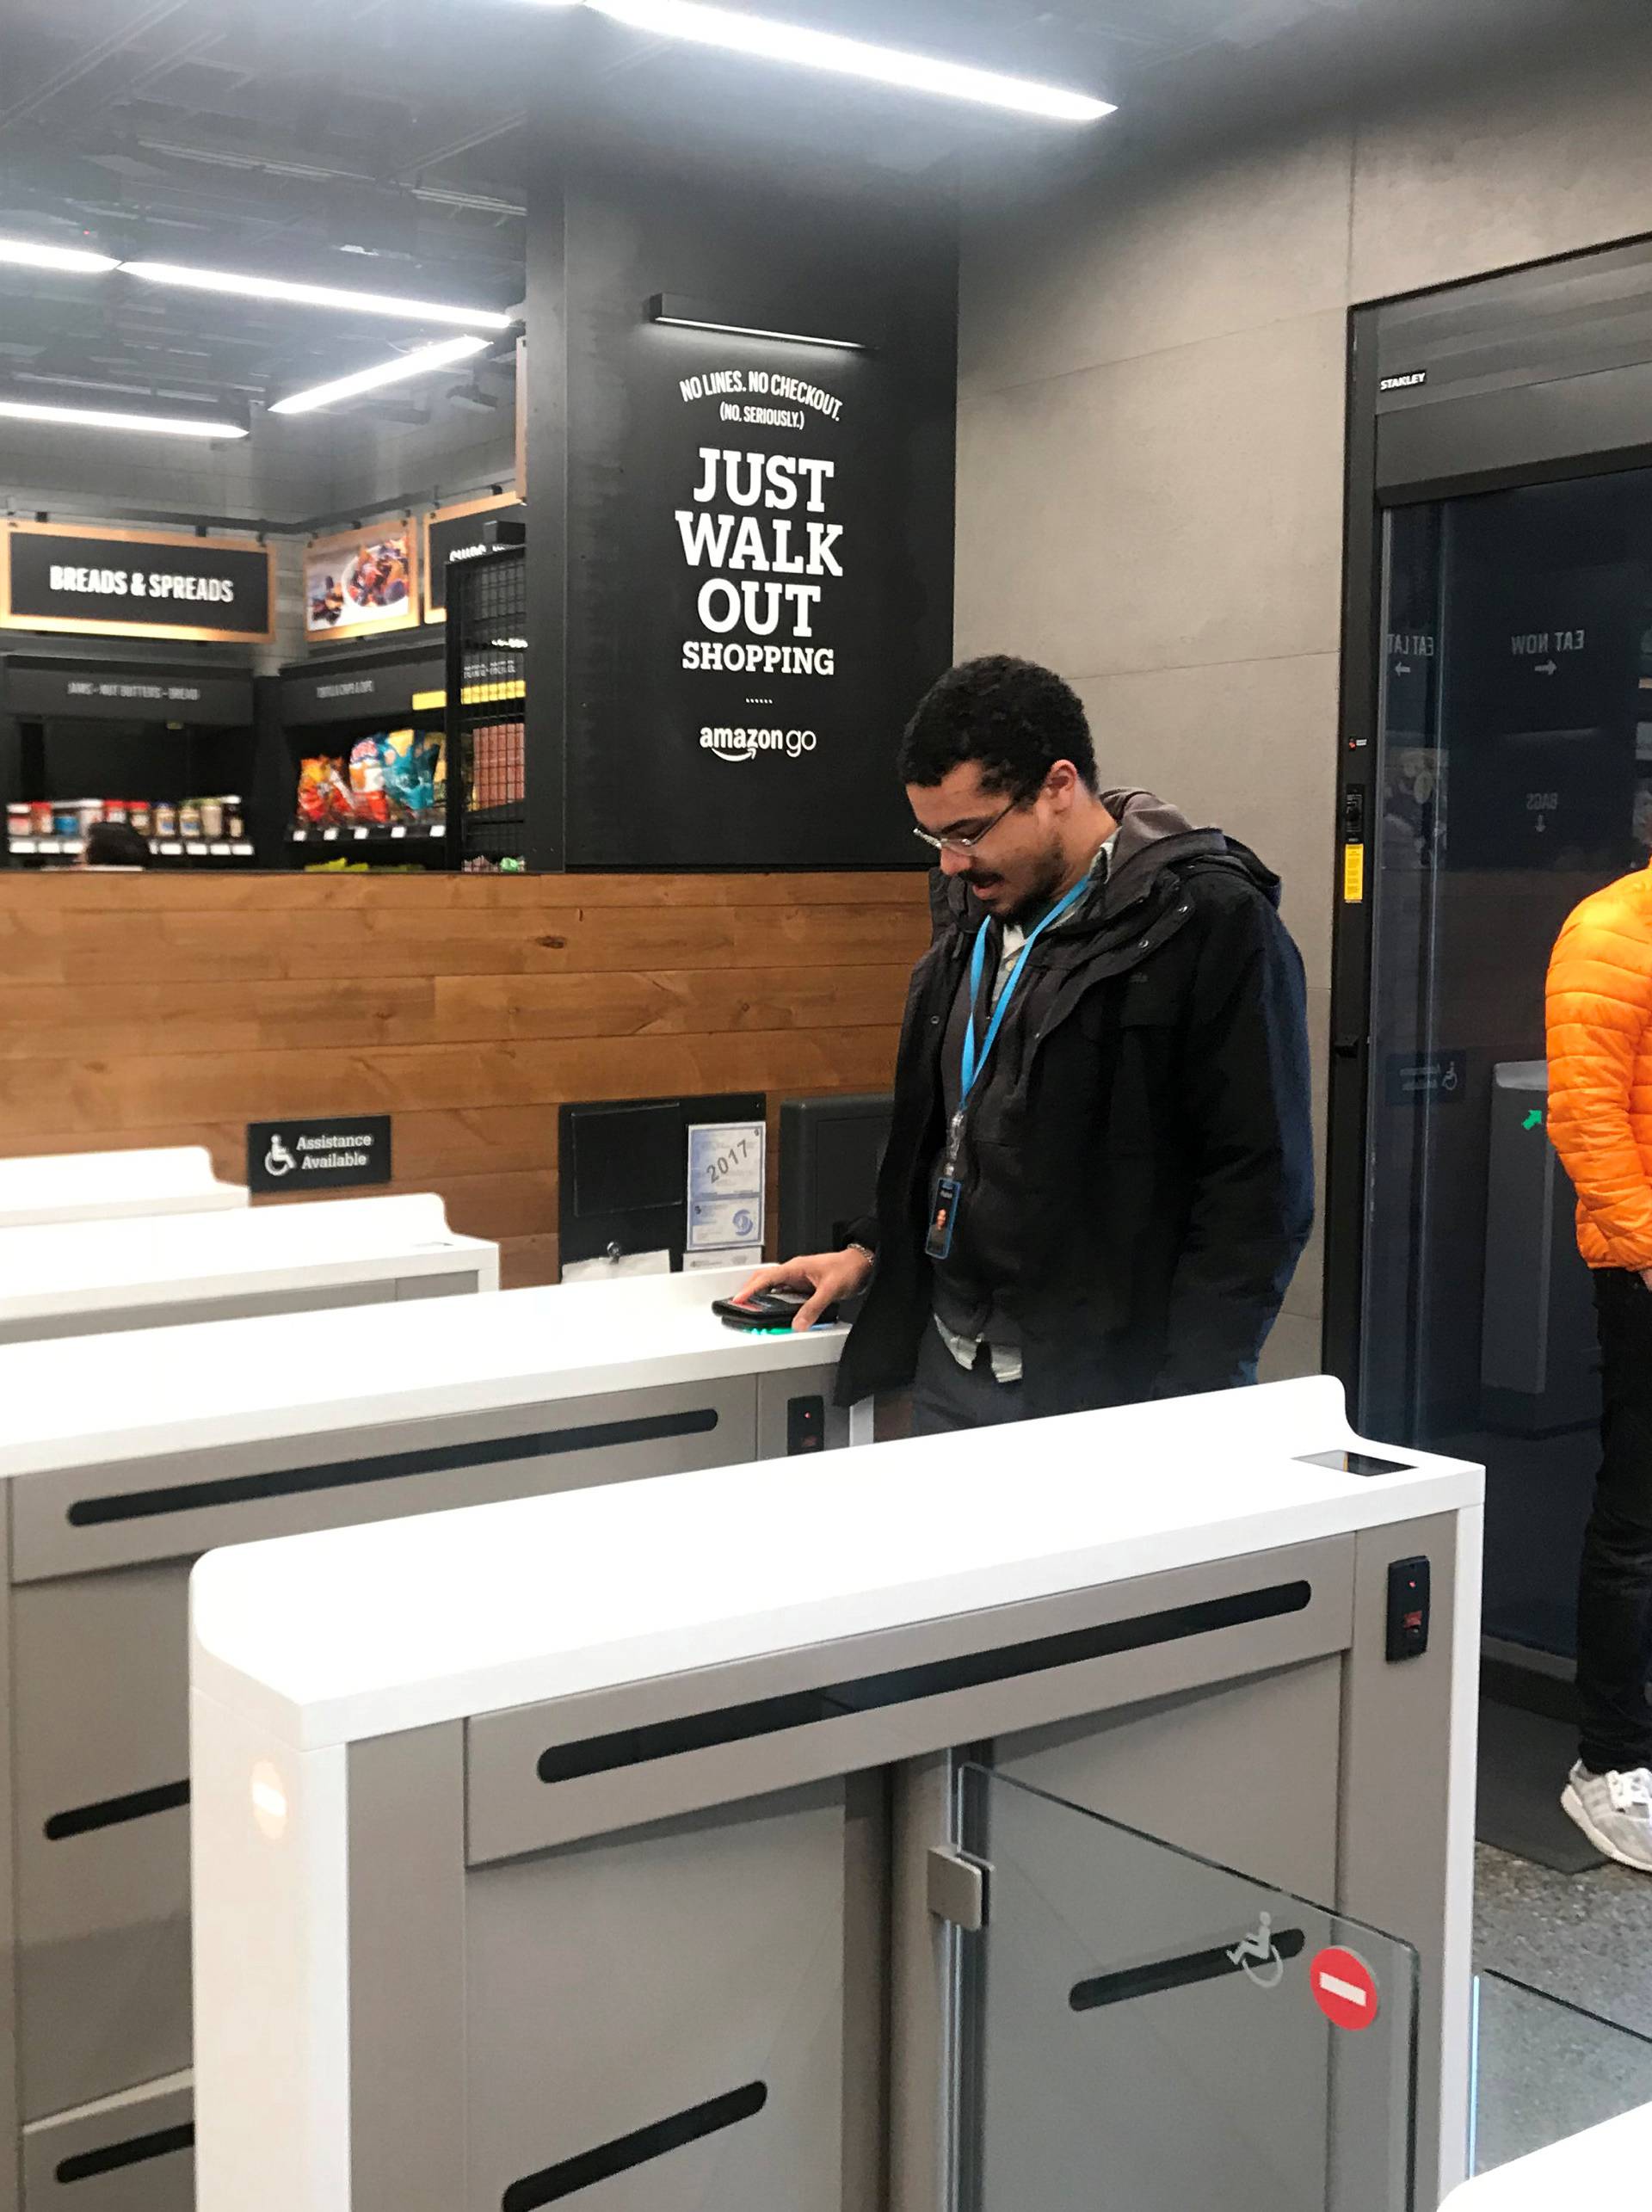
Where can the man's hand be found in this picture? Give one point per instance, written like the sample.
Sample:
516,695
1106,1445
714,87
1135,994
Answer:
828,1276
1646,1277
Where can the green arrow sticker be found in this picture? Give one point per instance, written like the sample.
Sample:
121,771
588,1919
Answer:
1534,1119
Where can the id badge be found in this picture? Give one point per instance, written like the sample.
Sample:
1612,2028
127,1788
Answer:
939,1242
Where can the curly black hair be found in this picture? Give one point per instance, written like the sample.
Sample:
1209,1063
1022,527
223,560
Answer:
1013,718
115,845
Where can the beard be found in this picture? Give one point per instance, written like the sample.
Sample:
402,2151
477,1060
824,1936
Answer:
1033,893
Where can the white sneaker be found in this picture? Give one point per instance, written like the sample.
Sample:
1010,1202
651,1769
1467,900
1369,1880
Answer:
1614,1812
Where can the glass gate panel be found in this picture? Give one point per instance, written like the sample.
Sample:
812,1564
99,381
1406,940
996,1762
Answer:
1545,2070
1515,778
1142,2032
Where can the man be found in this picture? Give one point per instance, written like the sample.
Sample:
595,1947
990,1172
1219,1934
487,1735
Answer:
114,844
1600,1119
1099,1175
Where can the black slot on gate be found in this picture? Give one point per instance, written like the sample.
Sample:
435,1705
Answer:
806,1425
1408,1608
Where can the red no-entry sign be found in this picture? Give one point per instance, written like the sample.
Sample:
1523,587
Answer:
1344,1986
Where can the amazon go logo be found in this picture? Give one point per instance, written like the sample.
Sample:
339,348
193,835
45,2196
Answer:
733,744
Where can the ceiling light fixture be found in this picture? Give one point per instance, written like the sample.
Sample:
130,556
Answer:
769,40
282,292
22,253
106,418
417,363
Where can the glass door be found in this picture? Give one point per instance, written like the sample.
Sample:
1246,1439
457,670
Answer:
1514,778
1142,2032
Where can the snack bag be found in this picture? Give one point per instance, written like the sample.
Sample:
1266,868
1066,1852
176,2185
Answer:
372,802
401,777
324,794
315,806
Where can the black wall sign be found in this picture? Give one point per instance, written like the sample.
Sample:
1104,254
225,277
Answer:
762,670
1540,696
334,693
319,1156
130,583
459,533
91,691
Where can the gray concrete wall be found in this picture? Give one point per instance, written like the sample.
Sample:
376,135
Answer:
1151,429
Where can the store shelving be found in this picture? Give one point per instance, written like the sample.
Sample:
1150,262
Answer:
75,730
215,853
375,834
487,647
329,701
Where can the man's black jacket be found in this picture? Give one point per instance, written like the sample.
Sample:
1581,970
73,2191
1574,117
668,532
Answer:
1162,1116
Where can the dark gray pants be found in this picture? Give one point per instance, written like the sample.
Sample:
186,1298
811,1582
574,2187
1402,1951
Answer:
1614,1607
947,1397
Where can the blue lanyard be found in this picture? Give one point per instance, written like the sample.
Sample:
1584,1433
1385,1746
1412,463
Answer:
974,1062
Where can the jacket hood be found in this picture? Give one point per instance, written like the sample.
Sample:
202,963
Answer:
1154,834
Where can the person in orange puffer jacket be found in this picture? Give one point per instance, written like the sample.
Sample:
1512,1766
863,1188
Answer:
1599,1010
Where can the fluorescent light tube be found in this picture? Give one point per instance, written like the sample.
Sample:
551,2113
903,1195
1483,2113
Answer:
279,289
22,253
417,363
106,418
792,42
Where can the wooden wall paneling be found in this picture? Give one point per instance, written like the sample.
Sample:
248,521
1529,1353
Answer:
86,947
48,1021
154,1010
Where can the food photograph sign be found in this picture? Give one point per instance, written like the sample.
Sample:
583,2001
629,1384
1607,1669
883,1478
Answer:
362,583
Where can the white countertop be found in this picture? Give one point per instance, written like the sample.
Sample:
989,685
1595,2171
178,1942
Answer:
67,1187
90,1267
1606,2165
333,1638
154,1392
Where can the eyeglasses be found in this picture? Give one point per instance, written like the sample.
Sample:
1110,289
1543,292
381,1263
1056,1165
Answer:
952,843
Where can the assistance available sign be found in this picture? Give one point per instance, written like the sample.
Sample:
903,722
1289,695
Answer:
74,578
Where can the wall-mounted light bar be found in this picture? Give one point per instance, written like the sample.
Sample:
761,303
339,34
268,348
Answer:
285,293
23,253
419,362
109,418
735,32
700,315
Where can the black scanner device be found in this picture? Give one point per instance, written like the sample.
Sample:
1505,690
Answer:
771,1311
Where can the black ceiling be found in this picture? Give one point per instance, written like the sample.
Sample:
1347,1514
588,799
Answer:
388,144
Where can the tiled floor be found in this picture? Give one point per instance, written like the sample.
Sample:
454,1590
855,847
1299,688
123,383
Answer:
1585,1939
